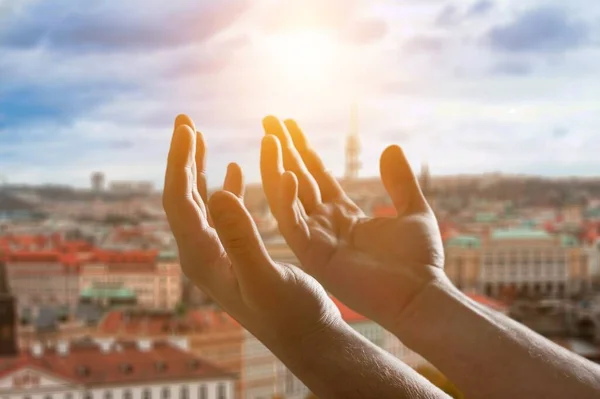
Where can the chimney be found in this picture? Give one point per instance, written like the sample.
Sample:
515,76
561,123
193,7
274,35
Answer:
62,348
144,345
105,344
37,349
180,343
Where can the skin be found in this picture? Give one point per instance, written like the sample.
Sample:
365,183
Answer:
375,265
285,308
391,270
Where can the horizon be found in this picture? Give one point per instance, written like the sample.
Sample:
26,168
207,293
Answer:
481,85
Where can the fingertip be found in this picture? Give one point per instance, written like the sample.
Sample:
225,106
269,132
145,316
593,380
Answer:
183,119
182,145
270,142
393,157
222,203
289,188
290,122
290,179
270,121
234,180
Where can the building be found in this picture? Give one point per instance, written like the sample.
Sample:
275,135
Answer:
266,377
103,369
518,261
43,270
8,319
98,181
155,281
112,370
353,147
211,333
131,187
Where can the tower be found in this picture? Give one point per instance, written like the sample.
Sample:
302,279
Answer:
427,186
97,181
353,146
425,180
8,338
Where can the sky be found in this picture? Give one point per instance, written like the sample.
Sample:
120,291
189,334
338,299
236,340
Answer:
467,86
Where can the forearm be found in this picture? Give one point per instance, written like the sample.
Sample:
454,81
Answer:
489,355
339,363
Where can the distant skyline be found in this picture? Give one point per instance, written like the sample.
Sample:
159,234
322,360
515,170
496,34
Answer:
469,86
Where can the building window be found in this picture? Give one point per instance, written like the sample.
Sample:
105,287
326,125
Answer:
48,397
68,395
203,392
184,393
221,391
88,395
165,393
146,394
127,394
108,395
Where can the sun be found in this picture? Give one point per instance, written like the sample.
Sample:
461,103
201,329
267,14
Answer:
302,57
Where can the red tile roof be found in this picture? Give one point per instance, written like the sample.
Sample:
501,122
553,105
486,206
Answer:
86,364
156,324
349,315
489,302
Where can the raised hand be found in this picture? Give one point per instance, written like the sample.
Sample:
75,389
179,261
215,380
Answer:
278,303
375,265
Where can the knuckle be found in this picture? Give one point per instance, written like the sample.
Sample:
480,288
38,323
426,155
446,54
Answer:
238,243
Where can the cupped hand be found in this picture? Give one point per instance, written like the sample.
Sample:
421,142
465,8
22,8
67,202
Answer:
274,301
375,265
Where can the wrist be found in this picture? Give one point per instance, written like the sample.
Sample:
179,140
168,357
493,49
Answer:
304,353
419,322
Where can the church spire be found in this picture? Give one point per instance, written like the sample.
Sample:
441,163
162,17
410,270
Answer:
353,146
8,326
4,290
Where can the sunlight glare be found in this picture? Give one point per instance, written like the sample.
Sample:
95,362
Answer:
303,58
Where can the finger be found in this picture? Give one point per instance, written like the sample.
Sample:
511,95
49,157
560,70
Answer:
180,120
201,167
234,180
292,224
329,187
308,189
240,238
400,182
182,211
271,170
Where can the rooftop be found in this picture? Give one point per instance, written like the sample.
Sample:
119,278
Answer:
92,364
97,292
520,233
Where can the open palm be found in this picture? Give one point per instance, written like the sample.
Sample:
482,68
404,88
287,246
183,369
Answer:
274,301
375,265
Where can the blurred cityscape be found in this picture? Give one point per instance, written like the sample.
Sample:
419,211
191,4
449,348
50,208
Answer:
102,310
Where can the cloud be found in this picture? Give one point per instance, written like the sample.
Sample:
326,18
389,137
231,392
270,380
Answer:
424,44
448,16
117,26
539,30
346,18
481,7
366,31
512,68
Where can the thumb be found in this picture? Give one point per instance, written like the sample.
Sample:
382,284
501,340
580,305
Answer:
400,182
239,236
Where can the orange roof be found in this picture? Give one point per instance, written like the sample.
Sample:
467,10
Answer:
156,324
349,315
135,256
86,364
489,302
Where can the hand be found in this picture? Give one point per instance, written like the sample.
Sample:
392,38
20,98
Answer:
276,302
375,265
